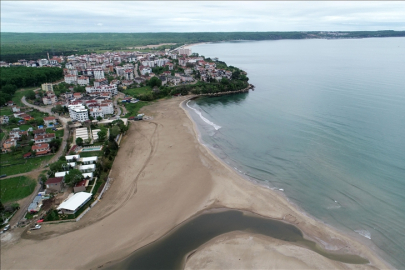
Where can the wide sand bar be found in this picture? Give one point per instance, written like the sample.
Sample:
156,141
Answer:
161,177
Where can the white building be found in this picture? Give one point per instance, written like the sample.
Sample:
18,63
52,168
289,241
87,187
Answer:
107,108
185,51
83,80
98,74
145,70
96,112
87,168
112,88
61,174
89,160
70,79
74,203
78,112
70,158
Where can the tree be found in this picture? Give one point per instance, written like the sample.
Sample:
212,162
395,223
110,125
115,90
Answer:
74,176
99,118
30,95
101,135
79,141
115,130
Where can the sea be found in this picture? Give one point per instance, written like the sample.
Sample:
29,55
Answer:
325,125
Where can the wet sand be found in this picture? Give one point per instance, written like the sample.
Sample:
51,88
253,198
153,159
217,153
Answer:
163,176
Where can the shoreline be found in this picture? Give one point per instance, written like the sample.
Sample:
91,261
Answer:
281,195
154,190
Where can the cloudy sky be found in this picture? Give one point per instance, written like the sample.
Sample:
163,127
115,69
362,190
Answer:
210,16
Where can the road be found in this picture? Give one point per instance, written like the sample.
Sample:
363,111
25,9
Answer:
23,208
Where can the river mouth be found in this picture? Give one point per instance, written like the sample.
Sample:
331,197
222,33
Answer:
170,251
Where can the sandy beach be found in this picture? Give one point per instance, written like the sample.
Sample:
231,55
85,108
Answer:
161,177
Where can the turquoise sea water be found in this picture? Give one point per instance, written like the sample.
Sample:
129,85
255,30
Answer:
326,124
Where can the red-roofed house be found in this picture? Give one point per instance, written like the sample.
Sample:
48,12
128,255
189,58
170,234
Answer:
48,120
40,148
44,138
77,95
81,186
54,184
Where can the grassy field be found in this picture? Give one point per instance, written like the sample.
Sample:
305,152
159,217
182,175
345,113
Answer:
6,111
91,154
20,93
38,114
19,164
58,133
17,188
2,135
138,91
133,108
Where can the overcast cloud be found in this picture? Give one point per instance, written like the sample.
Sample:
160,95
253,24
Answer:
186,16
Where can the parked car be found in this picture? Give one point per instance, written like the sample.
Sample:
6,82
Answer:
7,227
36,227
3,175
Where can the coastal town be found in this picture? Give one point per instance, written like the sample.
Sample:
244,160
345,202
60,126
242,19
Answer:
67,132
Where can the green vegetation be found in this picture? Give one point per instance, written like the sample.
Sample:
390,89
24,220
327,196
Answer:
17,77
91,154
17,96
58,133
138,91
14,189
2,134
13,163
133,108
6,111
15,46
73,177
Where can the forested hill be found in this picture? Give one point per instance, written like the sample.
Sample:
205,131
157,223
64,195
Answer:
31,46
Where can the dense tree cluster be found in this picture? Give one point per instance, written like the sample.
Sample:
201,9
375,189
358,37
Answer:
12,78
28,46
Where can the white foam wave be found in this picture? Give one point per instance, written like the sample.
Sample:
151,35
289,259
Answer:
203,118
364,233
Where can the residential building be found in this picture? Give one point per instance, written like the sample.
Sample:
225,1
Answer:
96,112
98,74
44,138
70,158
83,80
8,144
4,119
81,186
100,82
71,79
49,121
78,112
89,160
112,88
38,132
15,109
41,149
54,184
87,168
47,87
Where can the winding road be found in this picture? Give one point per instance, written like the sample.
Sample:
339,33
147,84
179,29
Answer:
26,202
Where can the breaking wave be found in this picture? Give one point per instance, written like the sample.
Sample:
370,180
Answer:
203,118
